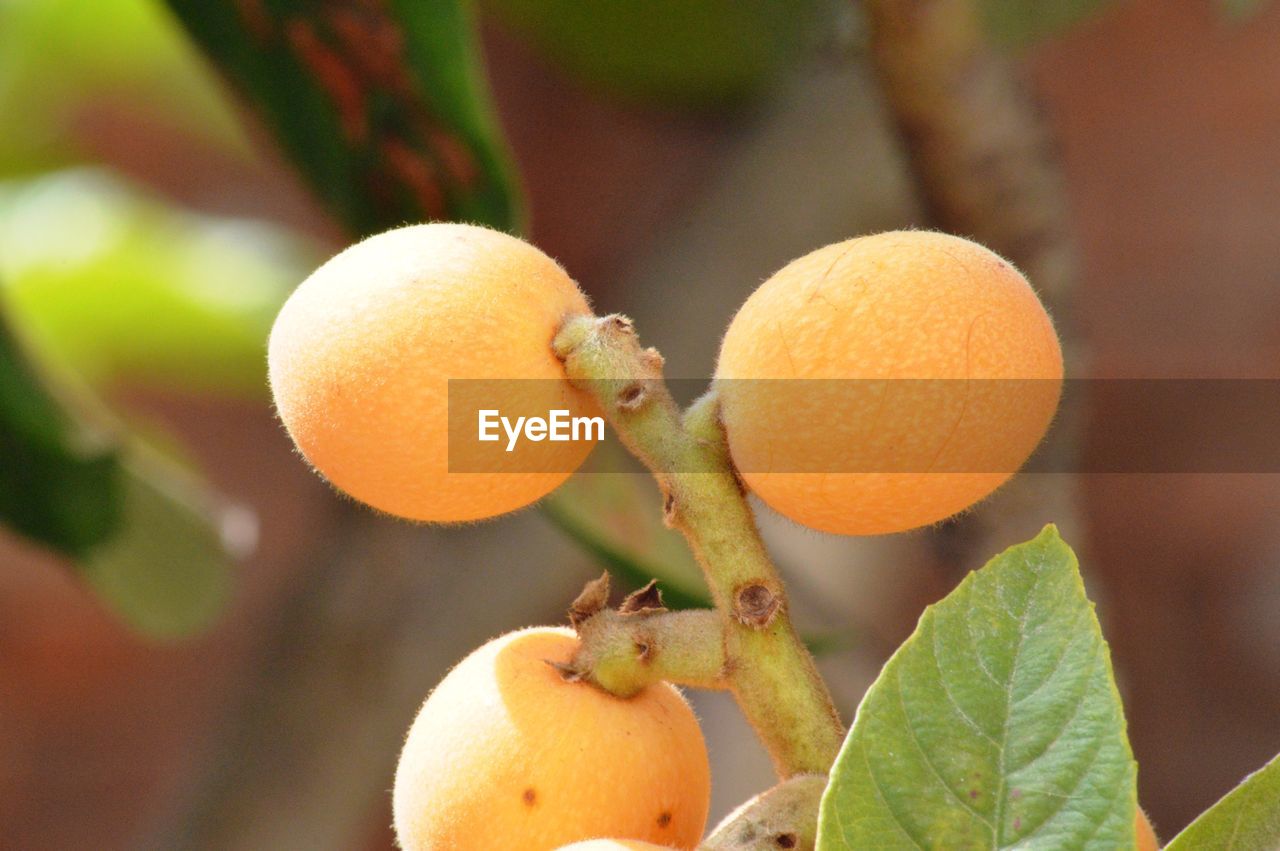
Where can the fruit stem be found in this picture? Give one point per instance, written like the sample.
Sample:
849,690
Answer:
767,667
622,653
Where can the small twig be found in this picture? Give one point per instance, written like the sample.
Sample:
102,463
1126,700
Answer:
622,652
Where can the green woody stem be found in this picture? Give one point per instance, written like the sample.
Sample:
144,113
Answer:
764,663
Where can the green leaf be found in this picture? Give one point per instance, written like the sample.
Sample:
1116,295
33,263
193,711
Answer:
149,539
1018,23
1247,819
681,52
996,725
382,106
60,477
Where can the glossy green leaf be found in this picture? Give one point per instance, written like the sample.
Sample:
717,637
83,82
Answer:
996,725
1018,23
675,52
117,286
1246,819
382,106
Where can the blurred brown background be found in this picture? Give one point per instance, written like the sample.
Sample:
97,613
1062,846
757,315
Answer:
1168,120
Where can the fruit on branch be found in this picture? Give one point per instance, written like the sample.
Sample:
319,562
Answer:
362,353
854,449
614,845
506,753
1146,834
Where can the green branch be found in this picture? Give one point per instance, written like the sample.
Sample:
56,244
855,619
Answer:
767,667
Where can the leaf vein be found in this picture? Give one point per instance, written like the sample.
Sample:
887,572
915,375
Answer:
915,739
946,691
875,782
1068,795
1066,725
1057,665
1008,706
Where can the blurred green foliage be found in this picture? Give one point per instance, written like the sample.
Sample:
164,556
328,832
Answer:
167,569
1019,23
116,285
142,532
382,107
60,477
100,281
62,60
687,53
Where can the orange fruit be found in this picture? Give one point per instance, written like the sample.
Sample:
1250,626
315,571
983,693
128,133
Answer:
362,353
506,754
614,845
930,368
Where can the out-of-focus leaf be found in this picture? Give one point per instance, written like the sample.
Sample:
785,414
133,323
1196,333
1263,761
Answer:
167,569
117,286
834,641
1018,23
1247,818
382,106
674,52
60,479
155,544
60,60
997,724
1239,10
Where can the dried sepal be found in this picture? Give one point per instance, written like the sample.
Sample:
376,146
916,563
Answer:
647,600
568,673
593,598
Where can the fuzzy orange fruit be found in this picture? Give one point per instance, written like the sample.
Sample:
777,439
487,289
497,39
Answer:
930,368
362,353
506,754
614,845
